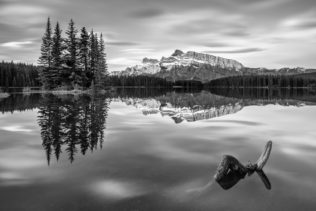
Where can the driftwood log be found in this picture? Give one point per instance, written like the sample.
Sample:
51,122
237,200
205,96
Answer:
230,170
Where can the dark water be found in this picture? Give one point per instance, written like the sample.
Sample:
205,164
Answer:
156,150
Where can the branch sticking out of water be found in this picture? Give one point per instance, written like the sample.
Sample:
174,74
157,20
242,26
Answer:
261,162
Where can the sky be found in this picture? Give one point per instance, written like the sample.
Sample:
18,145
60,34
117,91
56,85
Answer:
257,33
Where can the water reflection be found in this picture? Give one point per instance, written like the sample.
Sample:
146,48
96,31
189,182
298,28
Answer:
202,105
19,102
75,123
149,163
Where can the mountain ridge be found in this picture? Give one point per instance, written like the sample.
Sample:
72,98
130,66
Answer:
199,66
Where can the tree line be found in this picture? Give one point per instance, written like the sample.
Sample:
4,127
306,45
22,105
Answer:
73,61
268,81
18,75
307,95
140,80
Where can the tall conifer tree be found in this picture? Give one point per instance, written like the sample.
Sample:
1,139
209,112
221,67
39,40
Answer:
46,48
71,45
92,53
102,55
84,49
57,47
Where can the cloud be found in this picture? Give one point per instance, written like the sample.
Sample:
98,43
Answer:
310,24
243,50
17,44
237,33
121,43
121,60
214,44
203,23
22,14
147,13
16,128
137,50
200,25
302,21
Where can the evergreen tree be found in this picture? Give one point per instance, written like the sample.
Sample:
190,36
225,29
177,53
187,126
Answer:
84,49
93,52
57,47
97,53
102,55
71,45
78,61
46,48
101,67
72,56
84,55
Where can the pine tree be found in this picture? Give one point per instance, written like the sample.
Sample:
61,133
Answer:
46,48
96,50
76,60
93,53
84,55
53,75
101,67
72,56
84,49
71,45
102,55
57,47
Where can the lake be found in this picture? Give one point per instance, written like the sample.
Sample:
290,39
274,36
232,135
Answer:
155,149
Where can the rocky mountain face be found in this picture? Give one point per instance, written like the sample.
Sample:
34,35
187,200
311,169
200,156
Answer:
148,67
198,66
191,58
185,66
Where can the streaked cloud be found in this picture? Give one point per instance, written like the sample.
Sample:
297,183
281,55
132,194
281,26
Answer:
16,128
147,13
214,44
244,50
137,50
17,44
121,60
121,43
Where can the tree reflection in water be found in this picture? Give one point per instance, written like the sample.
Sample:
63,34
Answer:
72,124
75,124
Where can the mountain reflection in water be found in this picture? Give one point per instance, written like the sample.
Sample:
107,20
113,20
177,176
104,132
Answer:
205,105
76,124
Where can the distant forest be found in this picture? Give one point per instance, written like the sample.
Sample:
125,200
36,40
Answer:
25,75
18,75
268,81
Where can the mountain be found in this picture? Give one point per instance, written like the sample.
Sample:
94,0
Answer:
148,67
191,58
198,66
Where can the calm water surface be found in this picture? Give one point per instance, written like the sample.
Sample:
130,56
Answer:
156,150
